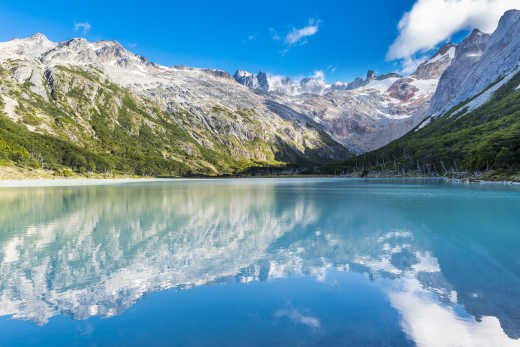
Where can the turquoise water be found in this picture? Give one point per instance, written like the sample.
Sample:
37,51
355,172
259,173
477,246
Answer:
259,262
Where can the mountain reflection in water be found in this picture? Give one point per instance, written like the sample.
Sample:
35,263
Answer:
444,257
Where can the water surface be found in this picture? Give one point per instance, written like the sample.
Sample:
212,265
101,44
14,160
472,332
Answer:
257,262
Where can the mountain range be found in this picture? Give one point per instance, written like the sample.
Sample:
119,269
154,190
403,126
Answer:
97,107
473,121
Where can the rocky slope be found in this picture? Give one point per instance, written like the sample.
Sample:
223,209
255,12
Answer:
474,124
366,113
94,106
481,60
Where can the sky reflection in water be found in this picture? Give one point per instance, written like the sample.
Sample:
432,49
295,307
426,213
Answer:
261,262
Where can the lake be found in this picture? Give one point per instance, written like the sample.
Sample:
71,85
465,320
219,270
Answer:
261,262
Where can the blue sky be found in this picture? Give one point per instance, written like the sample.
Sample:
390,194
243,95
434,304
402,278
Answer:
341,38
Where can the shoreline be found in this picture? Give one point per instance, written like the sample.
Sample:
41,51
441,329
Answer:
92,181
73,182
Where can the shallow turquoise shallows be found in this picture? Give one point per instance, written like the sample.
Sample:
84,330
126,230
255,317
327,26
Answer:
261,262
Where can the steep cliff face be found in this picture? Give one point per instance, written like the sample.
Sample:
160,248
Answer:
468,53
108,103
481,60
435,67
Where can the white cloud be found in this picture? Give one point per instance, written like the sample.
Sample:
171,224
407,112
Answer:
431,323
410,64
298,34
431,22
297,317
84,28
319,75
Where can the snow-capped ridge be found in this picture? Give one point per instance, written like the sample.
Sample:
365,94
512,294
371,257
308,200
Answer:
434,67
38,36
30,47
366,113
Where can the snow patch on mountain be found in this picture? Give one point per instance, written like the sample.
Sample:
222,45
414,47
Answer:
381,85
30,47
450,53
425,87
366,113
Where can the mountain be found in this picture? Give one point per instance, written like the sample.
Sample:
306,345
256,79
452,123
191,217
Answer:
364,114
95,106
481,60
473,123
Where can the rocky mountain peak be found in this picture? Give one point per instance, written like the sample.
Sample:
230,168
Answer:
105,53
434,67
473,45
358,82
32,46
38,37
444,49
509,19
246,78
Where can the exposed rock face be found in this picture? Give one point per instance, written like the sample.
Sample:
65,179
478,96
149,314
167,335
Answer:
246,78
481,59
388,75
219,73
468,53
263,83
357,83
402,89
435,67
